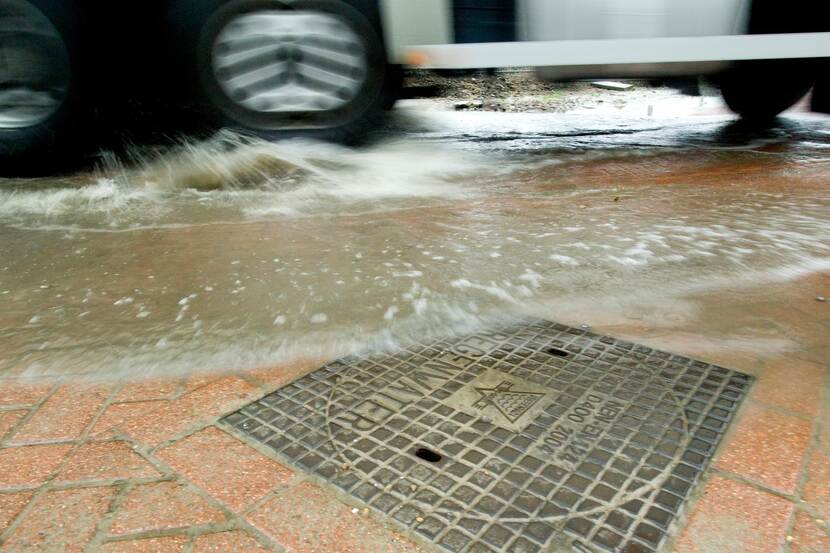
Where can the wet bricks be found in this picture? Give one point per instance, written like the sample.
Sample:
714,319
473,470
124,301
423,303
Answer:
527,438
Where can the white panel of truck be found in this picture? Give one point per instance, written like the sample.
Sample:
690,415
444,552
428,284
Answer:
607,19
408,22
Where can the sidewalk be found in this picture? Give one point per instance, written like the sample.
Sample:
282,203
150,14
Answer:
141,466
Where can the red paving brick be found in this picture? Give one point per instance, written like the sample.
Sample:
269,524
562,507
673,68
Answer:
280,375
767,447
29,466
17,392
818,355
10,506
64,416
717,351
224,542
63,520
792,384
105,461
228,469
810,334
172,544
817,487
824,435
808,536
732,517
8,419
747,362
305,519
162,506
199,380
169,418
148,390
122,415
793,324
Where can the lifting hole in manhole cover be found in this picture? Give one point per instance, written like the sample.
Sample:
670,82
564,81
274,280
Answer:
486,443
428,455
558,352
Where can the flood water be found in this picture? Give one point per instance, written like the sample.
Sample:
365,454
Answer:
233,254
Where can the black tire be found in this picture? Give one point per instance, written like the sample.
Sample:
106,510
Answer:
196,25
58,141
760,90
821,90
393,90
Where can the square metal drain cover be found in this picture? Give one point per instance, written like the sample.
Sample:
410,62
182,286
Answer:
531,438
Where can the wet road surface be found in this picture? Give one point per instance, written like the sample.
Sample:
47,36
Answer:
223,254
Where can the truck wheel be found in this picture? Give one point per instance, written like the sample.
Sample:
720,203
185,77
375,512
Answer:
821,91
760,90
306,68
40,98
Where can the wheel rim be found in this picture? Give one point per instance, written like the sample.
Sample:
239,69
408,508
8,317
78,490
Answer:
34,66
280,62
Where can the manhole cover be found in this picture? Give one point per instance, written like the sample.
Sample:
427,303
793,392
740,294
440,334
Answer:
534,437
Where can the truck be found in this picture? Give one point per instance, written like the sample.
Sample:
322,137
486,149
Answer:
76,75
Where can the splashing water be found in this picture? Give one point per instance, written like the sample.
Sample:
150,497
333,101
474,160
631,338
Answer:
237,253
237,178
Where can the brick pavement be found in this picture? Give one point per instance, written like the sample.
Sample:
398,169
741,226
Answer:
141,467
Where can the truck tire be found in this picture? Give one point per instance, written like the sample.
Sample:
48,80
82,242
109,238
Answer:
760,90
41,97
276,69
821,90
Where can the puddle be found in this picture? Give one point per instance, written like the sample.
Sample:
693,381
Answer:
238,254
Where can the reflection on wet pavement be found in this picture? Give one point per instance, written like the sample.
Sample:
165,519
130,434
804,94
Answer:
227,254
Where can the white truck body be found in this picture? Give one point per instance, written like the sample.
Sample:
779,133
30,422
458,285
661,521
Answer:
572,38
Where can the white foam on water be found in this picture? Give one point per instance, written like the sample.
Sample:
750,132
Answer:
204,182
369,248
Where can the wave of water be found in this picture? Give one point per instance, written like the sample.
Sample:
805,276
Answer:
236,252
232,176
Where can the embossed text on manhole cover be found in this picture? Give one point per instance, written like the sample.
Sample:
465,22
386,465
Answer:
534,437
502,399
